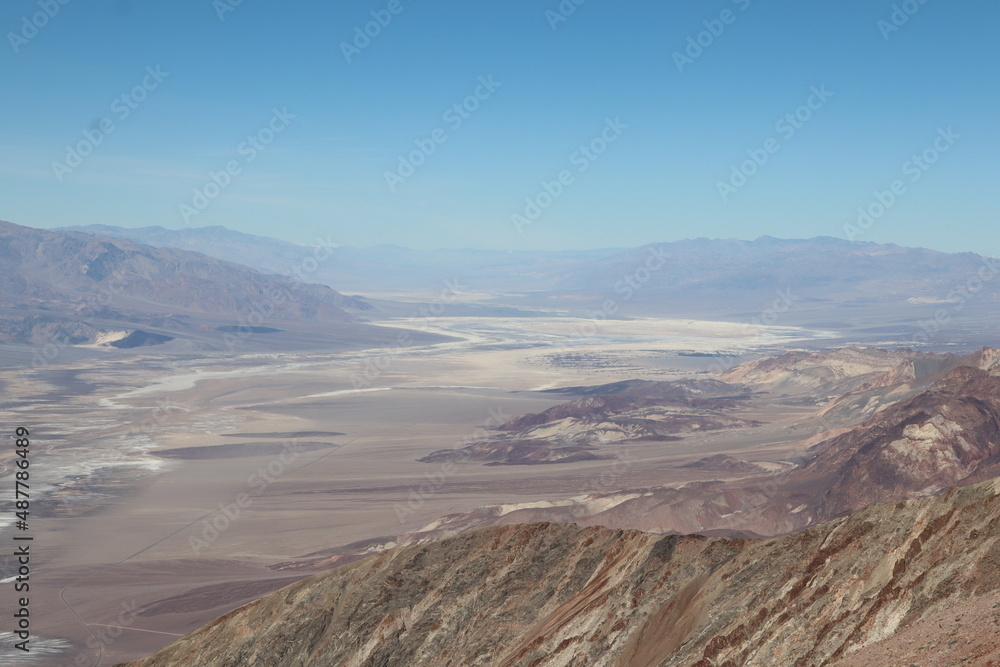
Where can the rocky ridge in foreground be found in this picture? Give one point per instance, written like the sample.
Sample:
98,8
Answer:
558,594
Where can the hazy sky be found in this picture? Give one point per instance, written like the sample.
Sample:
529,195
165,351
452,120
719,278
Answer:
208,86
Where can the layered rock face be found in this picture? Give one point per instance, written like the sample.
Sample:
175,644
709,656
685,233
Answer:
557,594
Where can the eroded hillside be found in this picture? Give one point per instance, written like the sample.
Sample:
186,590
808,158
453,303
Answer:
557,594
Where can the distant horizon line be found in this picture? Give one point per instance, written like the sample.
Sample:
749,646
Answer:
758,239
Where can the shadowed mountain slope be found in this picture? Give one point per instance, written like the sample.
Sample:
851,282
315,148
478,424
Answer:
61,283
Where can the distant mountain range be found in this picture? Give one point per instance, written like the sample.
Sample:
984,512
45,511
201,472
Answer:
59,283
260,252
848,283
383,268
868,293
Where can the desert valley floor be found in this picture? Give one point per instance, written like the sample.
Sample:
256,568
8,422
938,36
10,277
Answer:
288,459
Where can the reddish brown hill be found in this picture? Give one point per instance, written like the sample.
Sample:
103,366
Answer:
948,434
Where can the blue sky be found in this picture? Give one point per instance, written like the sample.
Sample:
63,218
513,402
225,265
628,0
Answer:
671,134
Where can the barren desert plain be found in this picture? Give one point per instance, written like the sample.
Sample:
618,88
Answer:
174,483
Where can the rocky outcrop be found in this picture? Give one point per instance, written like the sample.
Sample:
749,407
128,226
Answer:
514,452
838,371
948,434
605,415
724,463
140,338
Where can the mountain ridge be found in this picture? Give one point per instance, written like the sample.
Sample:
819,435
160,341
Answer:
818,268
551,594
65,280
